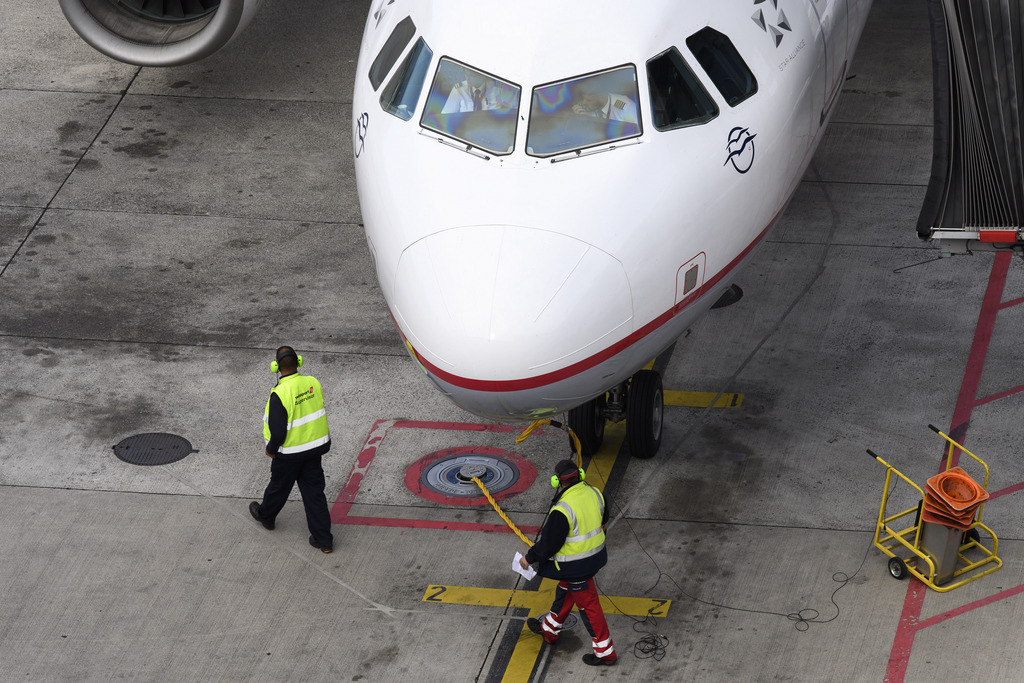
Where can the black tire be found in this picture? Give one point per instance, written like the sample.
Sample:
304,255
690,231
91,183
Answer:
897,568
970,535
587,421
645,409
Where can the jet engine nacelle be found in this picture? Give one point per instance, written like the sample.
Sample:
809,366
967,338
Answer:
150,33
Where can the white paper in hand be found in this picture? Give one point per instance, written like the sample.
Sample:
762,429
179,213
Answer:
527,573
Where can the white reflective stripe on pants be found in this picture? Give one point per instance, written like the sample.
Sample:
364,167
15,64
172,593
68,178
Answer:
605,648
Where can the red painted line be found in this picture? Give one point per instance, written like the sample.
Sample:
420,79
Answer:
414,475
397,522
347,496
459,426
1011,303
979,346
909,624
992,495
996,397
903,643
1002,595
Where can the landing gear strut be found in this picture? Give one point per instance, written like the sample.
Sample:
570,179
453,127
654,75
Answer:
639,401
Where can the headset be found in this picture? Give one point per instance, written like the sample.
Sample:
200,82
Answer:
565,474
281,355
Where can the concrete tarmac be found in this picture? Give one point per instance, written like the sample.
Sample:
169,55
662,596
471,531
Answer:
163,230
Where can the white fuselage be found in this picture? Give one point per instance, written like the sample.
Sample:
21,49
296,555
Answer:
525,284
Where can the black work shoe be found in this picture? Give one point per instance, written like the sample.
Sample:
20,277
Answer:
254,510
534,625
593,660
321,548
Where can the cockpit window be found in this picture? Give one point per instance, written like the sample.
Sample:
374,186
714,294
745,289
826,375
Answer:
727,70
677,97
391,51
402,92
583,112
472,107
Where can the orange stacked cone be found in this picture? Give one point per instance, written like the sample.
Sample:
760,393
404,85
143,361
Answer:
951,498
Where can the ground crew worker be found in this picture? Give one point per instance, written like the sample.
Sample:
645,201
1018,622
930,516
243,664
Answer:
571,549
296,435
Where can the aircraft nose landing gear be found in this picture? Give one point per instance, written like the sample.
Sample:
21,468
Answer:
640,402
587,421
645,407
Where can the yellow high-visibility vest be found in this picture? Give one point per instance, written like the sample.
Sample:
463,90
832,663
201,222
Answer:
303,400
583,506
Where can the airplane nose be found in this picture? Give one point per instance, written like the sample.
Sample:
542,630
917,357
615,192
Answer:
504,302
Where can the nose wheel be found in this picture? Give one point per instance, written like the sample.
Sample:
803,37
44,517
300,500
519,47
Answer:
645,407
640,401
587,421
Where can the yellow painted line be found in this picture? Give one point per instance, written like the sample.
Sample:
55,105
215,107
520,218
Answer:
702,399
535,601
602,462
527,650
538,601
524,656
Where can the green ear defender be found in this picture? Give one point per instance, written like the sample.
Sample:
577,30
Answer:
274,364
555,482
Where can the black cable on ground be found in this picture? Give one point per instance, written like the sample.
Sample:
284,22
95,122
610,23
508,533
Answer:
653,645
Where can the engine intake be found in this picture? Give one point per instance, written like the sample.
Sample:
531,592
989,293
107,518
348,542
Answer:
158,32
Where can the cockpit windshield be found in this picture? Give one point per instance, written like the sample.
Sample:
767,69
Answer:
473,107
583,112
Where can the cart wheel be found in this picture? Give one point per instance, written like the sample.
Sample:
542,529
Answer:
897,568
970,535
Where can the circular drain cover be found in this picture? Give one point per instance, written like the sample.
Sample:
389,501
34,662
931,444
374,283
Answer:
447,476
153,449
453,476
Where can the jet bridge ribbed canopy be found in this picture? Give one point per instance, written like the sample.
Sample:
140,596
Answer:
977,182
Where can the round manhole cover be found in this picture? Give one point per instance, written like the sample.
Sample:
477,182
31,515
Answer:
153,449
447,476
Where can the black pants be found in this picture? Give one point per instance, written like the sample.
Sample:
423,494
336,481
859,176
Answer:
308,473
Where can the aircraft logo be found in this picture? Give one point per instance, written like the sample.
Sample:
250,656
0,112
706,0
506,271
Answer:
741,149
774,30
362,123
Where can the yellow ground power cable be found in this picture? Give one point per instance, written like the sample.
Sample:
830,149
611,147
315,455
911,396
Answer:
501,512
565,428
519,439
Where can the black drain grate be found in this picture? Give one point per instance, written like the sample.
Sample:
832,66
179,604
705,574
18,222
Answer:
153,449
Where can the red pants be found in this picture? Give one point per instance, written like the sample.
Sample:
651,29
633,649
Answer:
583,594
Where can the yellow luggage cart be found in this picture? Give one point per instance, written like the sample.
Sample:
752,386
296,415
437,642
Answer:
934,553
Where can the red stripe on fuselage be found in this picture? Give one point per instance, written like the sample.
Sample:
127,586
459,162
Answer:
599,357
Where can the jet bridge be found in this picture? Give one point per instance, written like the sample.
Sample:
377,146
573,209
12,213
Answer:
975,198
